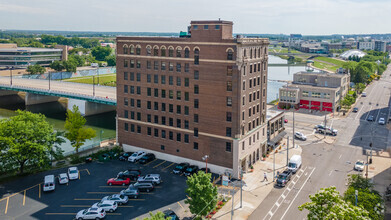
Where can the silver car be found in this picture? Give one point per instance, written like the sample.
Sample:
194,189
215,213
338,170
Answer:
63,178
154,178
107,205
120,199
136,156
91,213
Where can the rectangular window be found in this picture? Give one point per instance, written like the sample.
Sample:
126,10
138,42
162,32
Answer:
171,94
149,92
156,93
138,103
126,114
149,129
163,93
251,68
195,132
138,64
186,96
139,116
195,147
149,118
186,67
156,52
228,132
171,108
170,66
149,105
171,80
163,79
138,90
249,112
171,135
229,86
163,107
138,129
229,101
156,65
196,74
186,138
178,95
178,67
163,133
171,122
250,97
125,88
131,76
255,68
156,106
163,52
186,124
250,83
196,118
156,132
163,65
131,89
186,110
178,137
163,120
196,89
259,66
126,102
206,27
229,70
149,78
257,94
229,116
196,104
178,52
132,64
132,127
217,27
132,114
186,82
170,52
125,76
228,147
178,109
148,64
138,77
259,81
126,127
125,63
178,123
178,81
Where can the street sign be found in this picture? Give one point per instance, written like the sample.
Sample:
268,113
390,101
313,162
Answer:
225,180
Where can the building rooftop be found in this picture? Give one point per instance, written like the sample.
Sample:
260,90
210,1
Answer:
270,114
296,86
29,49
322,74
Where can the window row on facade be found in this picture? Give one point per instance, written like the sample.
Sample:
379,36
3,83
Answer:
158,65
255,68
253,96
168,135
254,53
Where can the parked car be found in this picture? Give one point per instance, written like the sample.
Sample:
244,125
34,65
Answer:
63,178
170,214
180,168
131,192
190,170
300,136
364,94
355,109
91,213
154,178
294,163
204,170
136,156
120,199
124,156
105,157
370,118
88,159
73,173
382,121
107,205
328,130
132,174
118,181
284,178
49,183
359,165
147,158
143,186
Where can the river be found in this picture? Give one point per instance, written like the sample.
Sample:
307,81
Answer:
104,124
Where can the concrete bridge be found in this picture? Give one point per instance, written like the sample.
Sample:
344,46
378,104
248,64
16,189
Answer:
91,99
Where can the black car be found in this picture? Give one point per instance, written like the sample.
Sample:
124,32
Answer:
147,158
131,192
204,170
355,109
284,178
132,174
170,214
143,186
124,156
190,170
180,168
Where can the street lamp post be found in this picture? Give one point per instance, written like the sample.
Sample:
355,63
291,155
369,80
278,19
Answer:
11,75
49,80
287,151
206,162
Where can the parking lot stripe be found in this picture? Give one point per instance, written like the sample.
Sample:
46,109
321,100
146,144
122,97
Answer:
18,192
6,206
168,166
159,164
24,197
150,162
180,205
77,199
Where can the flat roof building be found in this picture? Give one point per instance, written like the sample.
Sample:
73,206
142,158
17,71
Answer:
203,93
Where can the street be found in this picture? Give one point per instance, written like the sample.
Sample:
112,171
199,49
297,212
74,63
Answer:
328,162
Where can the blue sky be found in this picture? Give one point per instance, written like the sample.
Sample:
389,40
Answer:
249,16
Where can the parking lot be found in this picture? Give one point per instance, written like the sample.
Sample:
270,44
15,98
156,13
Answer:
24,198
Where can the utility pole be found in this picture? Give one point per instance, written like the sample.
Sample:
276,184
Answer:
241,187
274,164
325,127
11,74
97,70
366,174
293,136
370,159
287,151
233,198
49,80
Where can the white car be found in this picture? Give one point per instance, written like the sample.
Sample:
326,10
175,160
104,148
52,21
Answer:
154,178
136,156
107,205
120,199
63,178
359,165
300,136
91,213
73,173
382,121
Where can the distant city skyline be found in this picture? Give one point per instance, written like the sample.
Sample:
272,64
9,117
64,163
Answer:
320,17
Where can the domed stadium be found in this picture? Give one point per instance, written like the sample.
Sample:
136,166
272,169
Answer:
345,55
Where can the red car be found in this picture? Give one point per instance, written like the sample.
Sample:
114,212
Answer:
286,120
118,181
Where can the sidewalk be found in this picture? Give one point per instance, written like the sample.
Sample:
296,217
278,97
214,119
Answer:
254,189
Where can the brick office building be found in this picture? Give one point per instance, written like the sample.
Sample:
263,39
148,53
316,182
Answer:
203,93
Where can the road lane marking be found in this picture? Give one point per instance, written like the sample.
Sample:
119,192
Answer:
159,164
340,156
297,194
358,113
378,114
368,113
6,206
24,197
150,162
180,205
330,172
168,166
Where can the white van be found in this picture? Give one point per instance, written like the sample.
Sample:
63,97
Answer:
49,184
294,163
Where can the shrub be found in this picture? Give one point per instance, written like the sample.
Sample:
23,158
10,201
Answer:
75,159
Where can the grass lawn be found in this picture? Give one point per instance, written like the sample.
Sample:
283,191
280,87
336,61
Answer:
327,66
282,50
336,62
106,79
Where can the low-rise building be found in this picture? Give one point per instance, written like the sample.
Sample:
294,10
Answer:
380,46
366,45
316,91
275,127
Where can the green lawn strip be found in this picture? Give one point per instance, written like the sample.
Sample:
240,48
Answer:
331,60
88,79
326,66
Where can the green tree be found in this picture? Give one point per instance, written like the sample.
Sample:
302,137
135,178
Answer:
76,132
202,194
100,53
79,60
70,66
328,204
157,216
360,87
35,69
111,60
27,139
57,65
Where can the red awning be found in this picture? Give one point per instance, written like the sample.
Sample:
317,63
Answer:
327,104
315,103
304,102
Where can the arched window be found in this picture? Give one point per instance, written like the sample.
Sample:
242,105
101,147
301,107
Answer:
251,53
265,50
187,52
244,53
259,52
125,49
156,51
230,55
131,47
196,56
163,52
149,50
178,52
170,52
138,50
255,53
